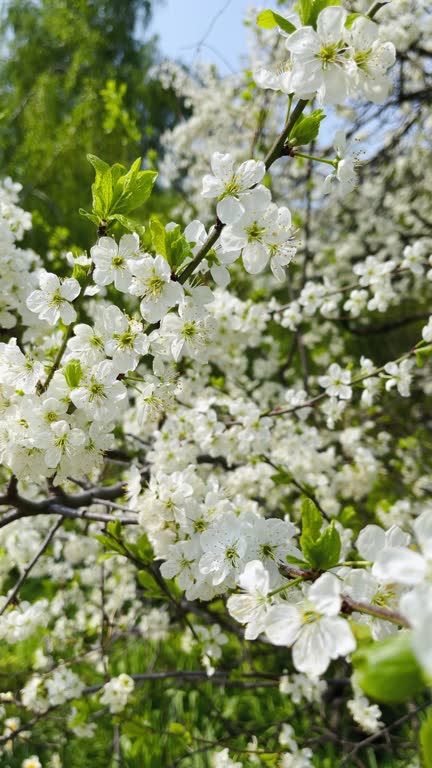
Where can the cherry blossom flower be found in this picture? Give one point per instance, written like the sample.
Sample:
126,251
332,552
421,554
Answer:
263,232
337,382
321,59
399,376
229,185
152,282
372,58
111,260
312,627
52,302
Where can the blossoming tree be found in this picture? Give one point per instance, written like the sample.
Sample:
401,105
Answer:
215,521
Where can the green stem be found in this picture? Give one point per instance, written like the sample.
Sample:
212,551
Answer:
287,586
317,159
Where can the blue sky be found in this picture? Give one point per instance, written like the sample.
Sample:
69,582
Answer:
183,24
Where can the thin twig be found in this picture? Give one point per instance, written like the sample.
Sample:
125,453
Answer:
12,595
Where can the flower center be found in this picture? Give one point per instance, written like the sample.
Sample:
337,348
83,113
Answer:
189,330
96,390
155,285
231,554
56,299
254,232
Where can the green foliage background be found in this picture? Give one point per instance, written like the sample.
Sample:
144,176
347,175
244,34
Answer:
74,79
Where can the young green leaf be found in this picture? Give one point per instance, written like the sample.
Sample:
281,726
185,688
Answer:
309,10
311,520
388,670
269,20
130,224
321,550
317,7
102,187
158,234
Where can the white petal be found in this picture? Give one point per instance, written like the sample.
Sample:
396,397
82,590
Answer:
195,232
255,257
220,275
222,166
423,531
67,313
399,565
36,301
283,624
255,578
370,542
310,653
250,172
331,24
229,210
70,289
325,594
211,186
49,282
303,43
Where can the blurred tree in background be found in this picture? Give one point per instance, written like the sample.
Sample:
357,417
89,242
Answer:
74,80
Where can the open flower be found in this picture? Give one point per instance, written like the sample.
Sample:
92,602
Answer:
152,282
52,302
228,185
111,260
321,59
224,545
313,627
337,382
100,395
263,232
372,57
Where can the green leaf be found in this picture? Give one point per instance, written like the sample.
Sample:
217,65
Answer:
269,20
144,549
102,187
317,7
304,8
306,128
321,550
73,373
351,19
309,10
178,248
348,516
90,216
388,671
110,544
325,552
147,582
158,234
291,560
425,738
114,529
311,520
133,188
169,243
130,224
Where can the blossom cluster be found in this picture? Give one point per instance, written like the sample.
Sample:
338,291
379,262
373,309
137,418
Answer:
179,409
